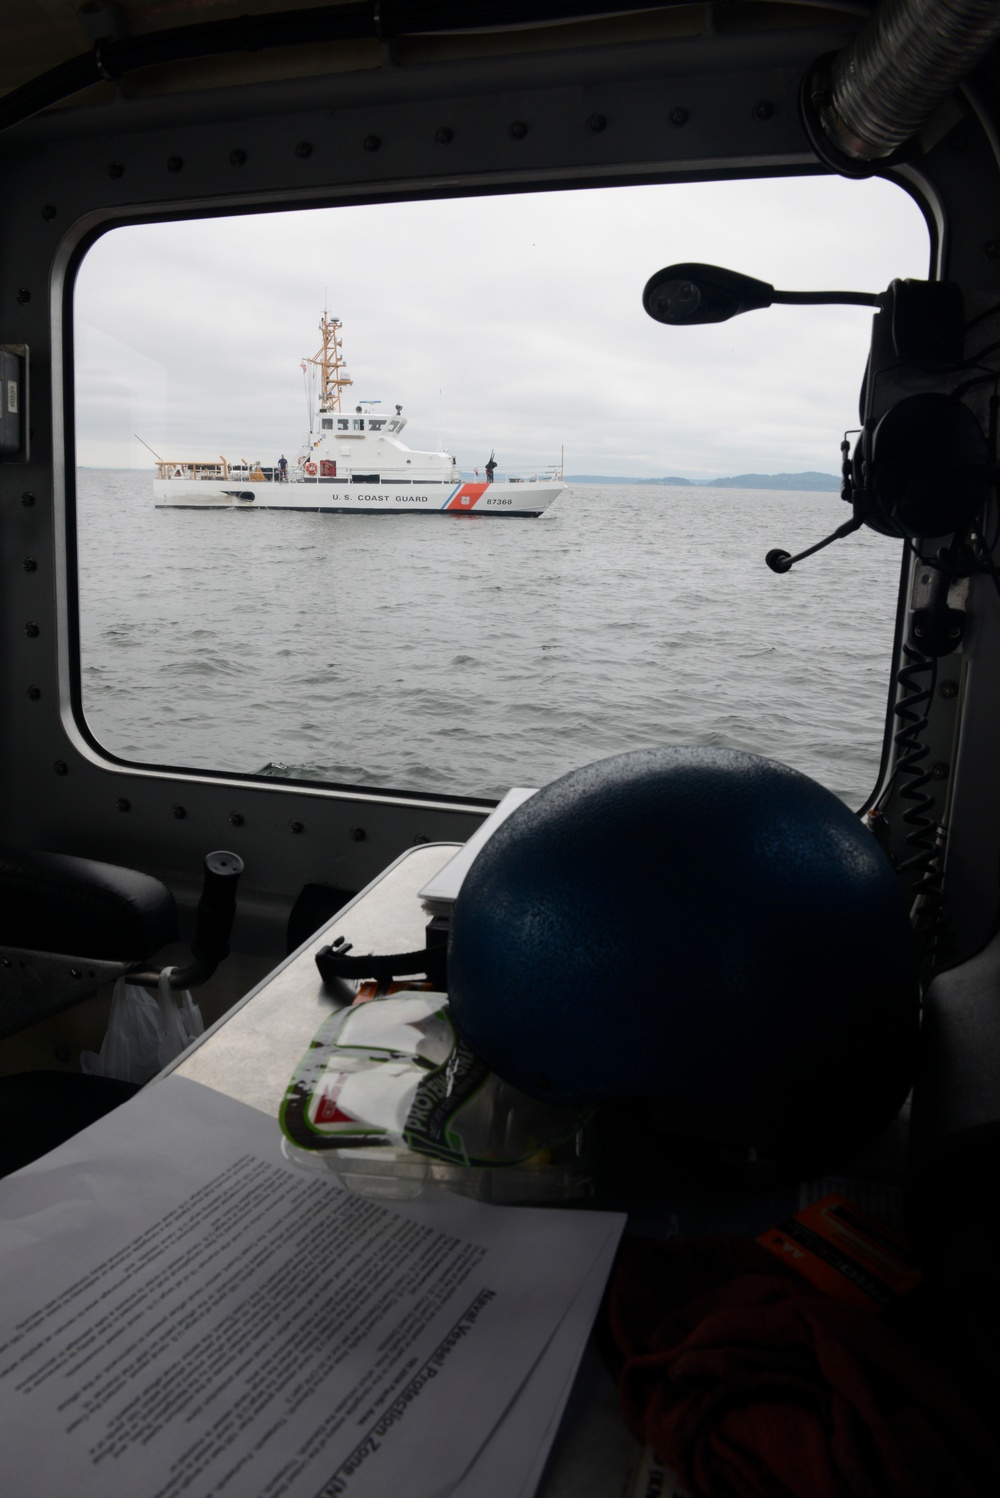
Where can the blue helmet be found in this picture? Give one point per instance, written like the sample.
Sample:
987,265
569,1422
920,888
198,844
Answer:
701,927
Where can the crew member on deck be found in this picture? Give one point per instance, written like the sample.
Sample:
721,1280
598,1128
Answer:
282,469
490,468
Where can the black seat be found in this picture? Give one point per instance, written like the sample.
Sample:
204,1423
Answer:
67,925
55,902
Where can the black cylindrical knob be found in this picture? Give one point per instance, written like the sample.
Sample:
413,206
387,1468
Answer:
217,906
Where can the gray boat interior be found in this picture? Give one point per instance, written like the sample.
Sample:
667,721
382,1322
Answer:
172,111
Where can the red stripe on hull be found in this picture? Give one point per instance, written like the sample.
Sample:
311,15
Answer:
467,496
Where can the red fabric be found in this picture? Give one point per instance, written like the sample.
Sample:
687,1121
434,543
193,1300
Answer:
752,1384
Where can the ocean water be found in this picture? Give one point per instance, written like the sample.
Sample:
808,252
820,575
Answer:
464,655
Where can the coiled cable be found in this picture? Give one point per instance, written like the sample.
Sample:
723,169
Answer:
926,837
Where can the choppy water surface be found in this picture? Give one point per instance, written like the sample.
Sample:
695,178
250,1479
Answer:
462,655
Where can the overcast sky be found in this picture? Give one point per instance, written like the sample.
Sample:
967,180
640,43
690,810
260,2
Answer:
509,323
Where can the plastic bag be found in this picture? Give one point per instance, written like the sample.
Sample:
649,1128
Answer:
145,1031
180,1020
131,1042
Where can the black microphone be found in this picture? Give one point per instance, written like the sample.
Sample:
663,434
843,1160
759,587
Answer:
781,561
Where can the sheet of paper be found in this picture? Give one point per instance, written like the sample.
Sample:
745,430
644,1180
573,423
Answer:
196,1315
444,887
520,1445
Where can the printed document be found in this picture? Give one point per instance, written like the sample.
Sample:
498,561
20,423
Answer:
187,1312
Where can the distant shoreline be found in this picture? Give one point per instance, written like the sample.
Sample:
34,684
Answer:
824,482
821,482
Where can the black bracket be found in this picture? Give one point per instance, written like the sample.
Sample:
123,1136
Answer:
937,631
337,963
14,429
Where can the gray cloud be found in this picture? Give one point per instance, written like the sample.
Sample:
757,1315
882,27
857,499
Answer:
513,323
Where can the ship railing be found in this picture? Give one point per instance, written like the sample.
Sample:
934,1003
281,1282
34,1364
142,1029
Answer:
183,468
255,473
549,475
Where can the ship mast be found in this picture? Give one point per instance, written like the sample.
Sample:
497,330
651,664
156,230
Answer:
329,360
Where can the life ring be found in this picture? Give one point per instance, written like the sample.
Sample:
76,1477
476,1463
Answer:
310,469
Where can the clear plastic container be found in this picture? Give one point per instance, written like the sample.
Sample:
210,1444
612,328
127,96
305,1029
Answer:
390,1097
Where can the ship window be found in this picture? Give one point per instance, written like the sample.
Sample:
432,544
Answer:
327,423
454,658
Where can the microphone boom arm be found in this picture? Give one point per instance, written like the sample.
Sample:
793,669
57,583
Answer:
782,561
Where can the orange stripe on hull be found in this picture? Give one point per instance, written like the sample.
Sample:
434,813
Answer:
467,497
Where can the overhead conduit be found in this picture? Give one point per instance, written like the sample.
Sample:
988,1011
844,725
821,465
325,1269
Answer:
859,107
864,104
357,20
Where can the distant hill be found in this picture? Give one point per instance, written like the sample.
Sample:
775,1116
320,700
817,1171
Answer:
828,482
607,478
825,481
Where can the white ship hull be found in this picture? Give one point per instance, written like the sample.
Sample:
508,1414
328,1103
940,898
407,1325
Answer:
343,497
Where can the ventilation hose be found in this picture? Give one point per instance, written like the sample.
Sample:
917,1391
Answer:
907,58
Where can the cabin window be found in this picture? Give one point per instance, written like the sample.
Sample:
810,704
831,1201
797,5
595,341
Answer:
461,658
